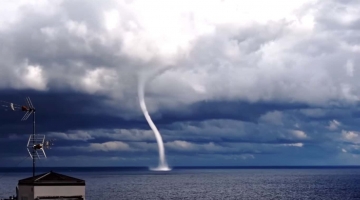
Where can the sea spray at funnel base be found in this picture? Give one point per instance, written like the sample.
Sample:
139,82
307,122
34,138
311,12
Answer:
162,161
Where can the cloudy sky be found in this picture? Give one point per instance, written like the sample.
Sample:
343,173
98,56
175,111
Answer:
231,82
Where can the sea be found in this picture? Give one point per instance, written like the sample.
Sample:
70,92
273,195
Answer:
340,183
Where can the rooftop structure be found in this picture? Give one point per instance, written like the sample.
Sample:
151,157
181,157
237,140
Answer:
51,185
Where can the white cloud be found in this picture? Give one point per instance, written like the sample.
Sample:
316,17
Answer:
294,145
350,136
181,145
99,80
31,77
334,125
112,19
187,146
72,135
109,146
299,134
113,134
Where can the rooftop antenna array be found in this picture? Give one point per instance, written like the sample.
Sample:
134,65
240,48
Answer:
36,143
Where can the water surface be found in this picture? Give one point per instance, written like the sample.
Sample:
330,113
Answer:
207,183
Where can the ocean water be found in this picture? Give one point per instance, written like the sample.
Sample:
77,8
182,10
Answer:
206,183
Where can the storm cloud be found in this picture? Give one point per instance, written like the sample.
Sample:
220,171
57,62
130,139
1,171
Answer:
243,83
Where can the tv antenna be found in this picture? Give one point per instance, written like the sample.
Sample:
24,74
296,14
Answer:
36,143
10,106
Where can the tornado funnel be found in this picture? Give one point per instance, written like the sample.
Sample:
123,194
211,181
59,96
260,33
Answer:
163,166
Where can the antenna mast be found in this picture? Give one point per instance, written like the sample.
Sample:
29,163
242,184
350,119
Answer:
30,109
36,143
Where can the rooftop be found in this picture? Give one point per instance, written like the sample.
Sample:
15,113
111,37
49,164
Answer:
51,179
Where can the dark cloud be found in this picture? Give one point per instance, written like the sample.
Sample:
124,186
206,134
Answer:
275,86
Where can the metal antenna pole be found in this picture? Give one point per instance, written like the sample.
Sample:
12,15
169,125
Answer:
38,143
33,151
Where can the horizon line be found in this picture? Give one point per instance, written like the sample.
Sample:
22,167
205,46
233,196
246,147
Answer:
197,166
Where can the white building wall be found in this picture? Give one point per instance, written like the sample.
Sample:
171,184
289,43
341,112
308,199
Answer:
59,191
25,192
